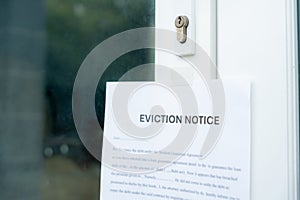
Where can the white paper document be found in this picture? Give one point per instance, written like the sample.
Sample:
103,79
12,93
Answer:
181,142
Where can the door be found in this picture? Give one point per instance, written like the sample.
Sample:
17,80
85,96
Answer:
255,41
44,43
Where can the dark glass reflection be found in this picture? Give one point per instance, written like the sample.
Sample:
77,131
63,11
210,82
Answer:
42,46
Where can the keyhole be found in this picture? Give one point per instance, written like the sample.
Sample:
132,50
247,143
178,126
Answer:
179,21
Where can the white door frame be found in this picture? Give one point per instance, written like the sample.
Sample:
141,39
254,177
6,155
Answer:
255,40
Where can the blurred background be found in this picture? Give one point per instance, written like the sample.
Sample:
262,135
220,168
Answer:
42,45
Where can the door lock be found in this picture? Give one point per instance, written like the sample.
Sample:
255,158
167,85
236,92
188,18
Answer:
182,23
